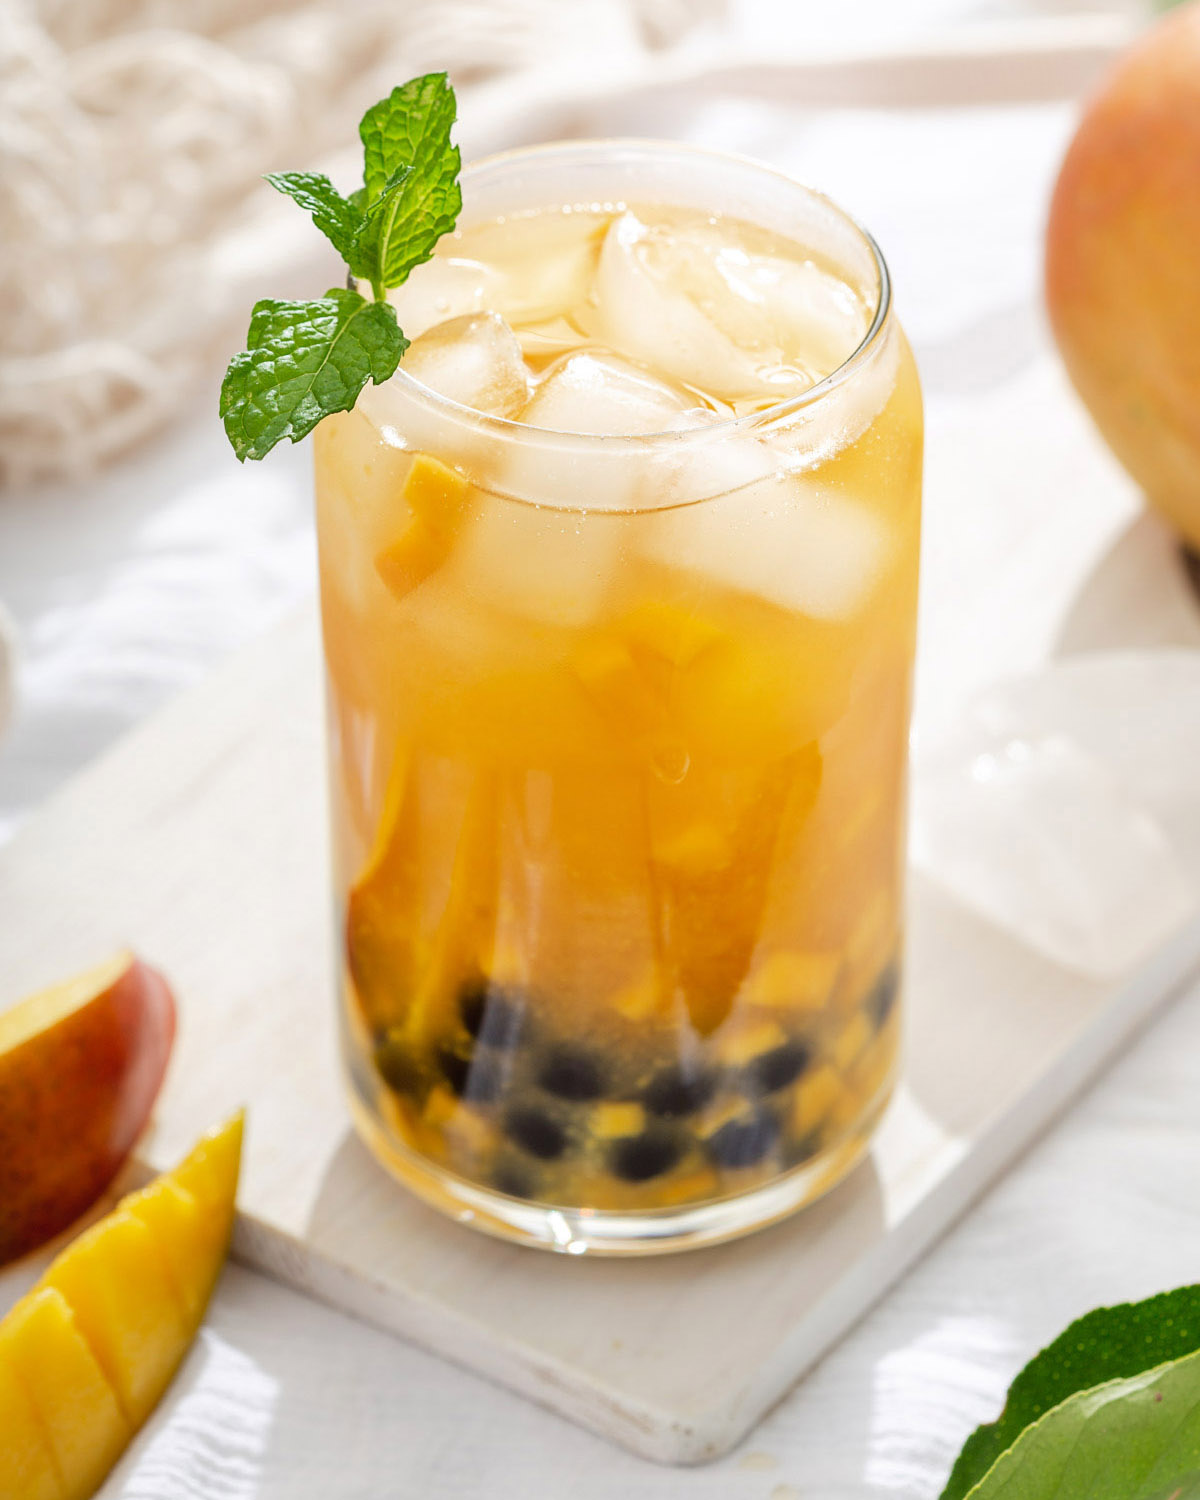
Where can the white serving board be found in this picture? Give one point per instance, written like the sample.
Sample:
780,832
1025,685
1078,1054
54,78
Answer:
200,841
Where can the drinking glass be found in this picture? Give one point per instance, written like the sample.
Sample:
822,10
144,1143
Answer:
617,739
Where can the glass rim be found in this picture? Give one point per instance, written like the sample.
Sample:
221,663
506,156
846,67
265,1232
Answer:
648,148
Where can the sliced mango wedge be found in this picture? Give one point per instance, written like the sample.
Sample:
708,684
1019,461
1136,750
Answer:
87,1354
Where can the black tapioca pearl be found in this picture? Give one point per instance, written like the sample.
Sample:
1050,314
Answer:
455,1069
743,1143
397,1067
534,1131
881,1001
478,1077
571,1073
491,1014
674,1092
514,1179
780,1066
638,1158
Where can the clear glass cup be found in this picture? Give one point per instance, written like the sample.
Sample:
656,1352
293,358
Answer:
618,740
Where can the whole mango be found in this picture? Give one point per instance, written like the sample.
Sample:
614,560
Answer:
1123,265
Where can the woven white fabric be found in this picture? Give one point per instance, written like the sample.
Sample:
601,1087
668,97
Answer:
133,135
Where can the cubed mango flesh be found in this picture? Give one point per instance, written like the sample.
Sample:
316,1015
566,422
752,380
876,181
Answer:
86,1355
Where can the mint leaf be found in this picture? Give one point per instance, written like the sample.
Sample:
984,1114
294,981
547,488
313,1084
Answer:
1107,1344
339,219
1133,1439
304,361
410,128
411,177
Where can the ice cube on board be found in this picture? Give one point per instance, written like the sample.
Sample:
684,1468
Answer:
1041,838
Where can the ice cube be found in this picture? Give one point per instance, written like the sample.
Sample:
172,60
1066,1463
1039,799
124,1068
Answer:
603,395
474,360
546,261
1040,838
592,395
545,554
537,562
1136,712
446,286
643,312
765,531
733,323
794,309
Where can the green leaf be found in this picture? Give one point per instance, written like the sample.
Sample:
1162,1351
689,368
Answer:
411,176
1187,1488
410,128
303,361
339,219
1134,1439
1107,1344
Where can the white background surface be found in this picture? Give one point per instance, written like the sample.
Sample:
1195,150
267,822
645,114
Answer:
129,587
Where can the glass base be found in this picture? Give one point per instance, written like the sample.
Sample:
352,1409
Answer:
584,1231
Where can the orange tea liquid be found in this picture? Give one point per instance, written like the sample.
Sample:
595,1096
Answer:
619,597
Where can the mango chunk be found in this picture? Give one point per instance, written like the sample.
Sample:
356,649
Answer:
179,1228
41,1342
114,1280
27,1469
608,675
668,631
436,497
794,981
86,1355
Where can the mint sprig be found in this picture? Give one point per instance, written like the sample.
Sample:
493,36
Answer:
306,360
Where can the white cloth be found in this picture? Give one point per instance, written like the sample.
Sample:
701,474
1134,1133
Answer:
178,555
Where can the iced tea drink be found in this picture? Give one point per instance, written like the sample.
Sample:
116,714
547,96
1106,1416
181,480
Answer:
619,580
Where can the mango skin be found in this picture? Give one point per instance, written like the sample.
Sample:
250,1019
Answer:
81,1065
1122,267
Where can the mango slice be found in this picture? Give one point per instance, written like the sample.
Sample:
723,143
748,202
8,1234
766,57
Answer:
80,1066
711,848
87,1354
420,921
436,497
